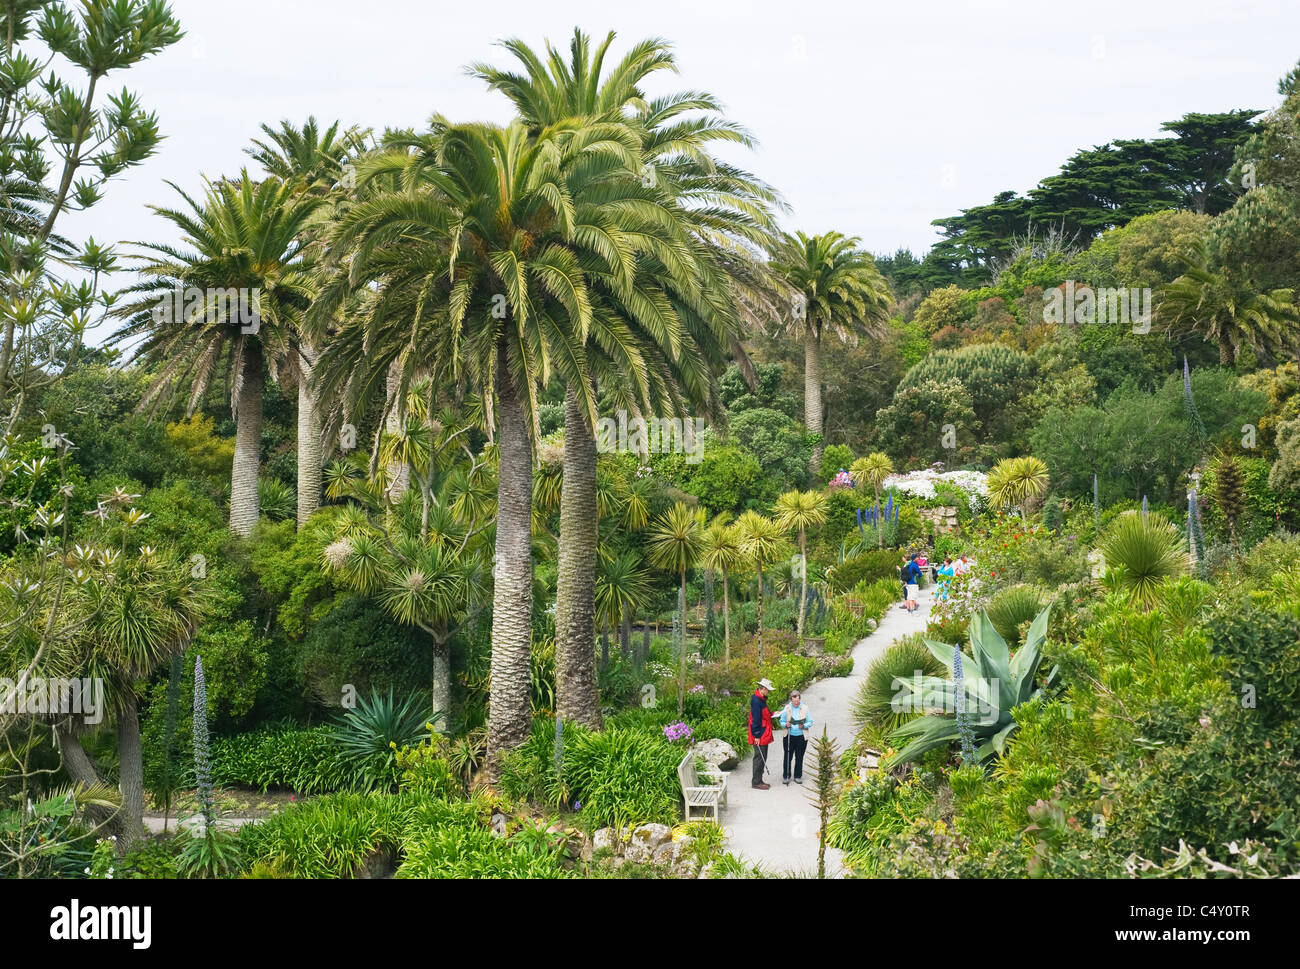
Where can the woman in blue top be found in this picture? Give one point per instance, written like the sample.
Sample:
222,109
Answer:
798,720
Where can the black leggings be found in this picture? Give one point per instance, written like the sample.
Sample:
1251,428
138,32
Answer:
794,747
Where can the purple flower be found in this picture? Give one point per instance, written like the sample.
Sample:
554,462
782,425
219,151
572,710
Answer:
698,688
677,731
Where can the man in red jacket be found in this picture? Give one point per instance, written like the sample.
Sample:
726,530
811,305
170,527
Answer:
760,731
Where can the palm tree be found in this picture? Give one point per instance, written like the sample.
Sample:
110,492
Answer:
872,471
721,549
838,288
798,511
675,543
622,589
658,363
763,542
480,254
317,163
1017,483
1221,309
238,296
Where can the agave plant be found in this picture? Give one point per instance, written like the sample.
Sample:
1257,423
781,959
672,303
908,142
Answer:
993,682
1140,553
370,735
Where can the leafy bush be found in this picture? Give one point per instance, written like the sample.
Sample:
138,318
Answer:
445,840
1012,608
356,643
306,760
335,836
904,658
869,567
623,777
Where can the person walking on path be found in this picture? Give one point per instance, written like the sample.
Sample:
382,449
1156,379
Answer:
946,572
911,584
760,731
796,720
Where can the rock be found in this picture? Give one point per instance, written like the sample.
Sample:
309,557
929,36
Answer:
604,838
667,853
645,840
498,825
718,753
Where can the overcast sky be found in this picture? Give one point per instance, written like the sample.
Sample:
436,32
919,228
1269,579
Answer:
873,119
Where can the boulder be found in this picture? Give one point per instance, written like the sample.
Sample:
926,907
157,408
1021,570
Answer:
717,753
604,838
645,840
498,825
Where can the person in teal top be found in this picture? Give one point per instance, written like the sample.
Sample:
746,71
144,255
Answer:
797,721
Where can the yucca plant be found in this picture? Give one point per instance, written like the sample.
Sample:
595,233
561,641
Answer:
675,544
278,501
904,659
1017,482
993,682
797,511
370,735
1140,554
1012,607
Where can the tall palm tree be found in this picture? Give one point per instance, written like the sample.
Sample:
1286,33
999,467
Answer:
481,260
763,543
721,549
675,543
1222,309
317,163
798,511
622,589
837,288
1017,483
642,364
872,471
252,286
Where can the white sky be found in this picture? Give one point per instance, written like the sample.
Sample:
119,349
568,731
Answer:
873,118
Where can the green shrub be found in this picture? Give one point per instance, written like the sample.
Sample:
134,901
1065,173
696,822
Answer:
370,735
307,760
867,566
336,836
623,777
445,840
789,673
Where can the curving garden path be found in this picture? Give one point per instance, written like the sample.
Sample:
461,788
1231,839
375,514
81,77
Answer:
777,829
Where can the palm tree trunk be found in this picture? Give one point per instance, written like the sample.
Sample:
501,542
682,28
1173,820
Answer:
681,645
399,472
625,635
512,594
803,582
577,695
441,671
812,391
1225,351
760,616
81,769
310,446
131,777
244,507
726,623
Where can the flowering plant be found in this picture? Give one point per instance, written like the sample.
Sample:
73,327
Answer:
677,731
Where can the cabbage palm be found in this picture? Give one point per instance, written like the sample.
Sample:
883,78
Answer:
1141,552
622,589
798,511
675,542
763,543
658,364
1221,309
872,471
480,243
722,550
246,239
1017,483
837,288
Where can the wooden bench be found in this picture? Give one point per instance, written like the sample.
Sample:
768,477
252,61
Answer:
701,796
